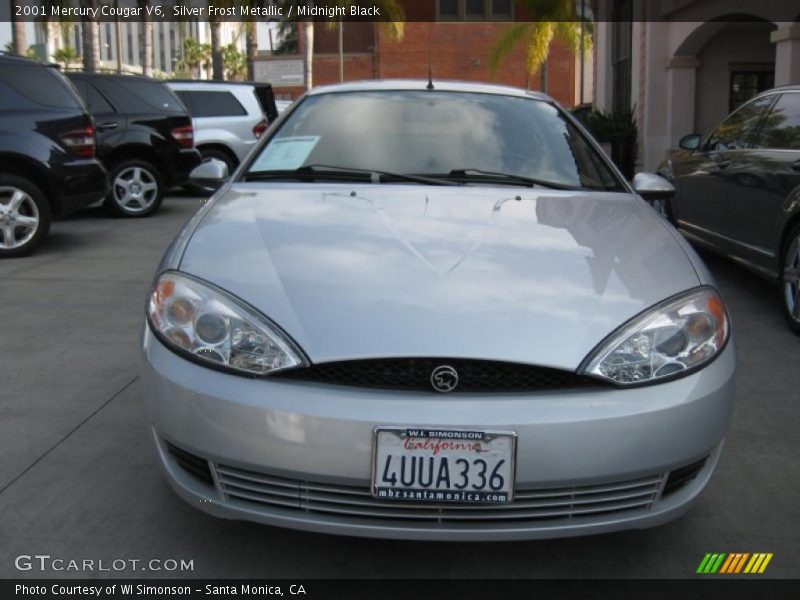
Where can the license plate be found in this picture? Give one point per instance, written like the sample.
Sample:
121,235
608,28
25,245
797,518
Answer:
443,465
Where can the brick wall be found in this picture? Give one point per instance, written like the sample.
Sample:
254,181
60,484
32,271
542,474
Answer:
458,51
461,51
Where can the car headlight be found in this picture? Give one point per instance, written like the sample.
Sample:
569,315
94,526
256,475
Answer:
670,340
209,325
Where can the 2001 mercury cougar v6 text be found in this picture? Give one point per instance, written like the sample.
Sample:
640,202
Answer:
435,311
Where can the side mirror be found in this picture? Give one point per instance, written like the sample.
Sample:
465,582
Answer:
690,142
652,187
211,173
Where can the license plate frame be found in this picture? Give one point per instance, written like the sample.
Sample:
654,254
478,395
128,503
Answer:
485,437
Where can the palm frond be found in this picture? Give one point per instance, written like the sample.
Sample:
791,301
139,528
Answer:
541,34
569,32
505,44
395,16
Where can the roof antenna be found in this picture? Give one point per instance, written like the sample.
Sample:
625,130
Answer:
430,57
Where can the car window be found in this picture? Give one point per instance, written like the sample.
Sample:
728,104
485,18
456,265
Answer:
212,104
138,96
97,103
432,132
738,130
781,127
93,99
34,86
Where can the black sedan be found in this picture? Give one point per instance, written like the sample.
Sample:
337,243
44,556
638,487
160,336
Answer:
738,190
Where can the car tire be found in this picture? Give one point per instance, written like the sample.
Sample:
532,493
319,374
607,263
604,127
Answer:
790,279
137,189
25,216
219,154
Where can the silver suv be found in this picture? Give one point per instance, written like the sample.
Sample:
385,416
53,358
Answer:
228,117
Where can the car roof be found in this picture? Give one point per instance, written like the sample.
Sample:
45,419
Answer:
792,87
422,84
86,74
219,83
23,61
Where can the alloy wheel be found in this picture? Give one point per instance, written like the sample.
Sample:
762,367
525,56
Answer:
135,189
791,279
19,218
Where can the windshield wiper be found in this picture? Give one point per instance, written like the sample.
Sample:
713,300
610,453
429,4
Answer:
318,171
506,178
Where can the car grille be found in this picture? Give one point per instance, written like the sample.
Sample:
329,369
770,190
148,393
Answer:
415,374
257,489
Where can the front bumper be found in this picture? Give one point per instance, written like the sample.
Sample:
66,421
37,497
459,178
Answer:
587,461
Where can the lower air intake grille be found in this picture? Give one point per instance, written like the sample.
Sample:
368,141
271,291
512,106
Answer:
258,489
680,477
194,465
415,374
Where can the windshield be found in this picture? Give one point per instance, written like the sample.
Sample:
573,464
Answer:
436,133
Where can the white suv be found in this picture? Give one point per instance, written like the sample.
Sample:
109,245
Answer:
228,117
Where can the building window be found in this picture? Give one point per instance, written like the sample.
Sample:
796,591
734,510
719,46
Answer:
746,84
474,10
621,53
109,41
501,9
448,9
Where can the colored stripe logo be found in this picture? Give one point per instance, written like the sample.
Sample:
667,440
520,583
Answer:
734,563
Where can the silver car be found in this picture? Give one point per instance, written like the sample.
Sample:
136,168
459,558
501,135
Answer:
435,311
228,117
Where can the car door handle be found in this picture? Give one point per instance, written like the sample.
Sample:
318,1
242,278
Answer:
107,125
796,165
723,164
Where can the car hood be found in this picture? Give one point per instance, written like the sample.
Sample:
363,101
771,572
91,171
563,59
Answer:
534,276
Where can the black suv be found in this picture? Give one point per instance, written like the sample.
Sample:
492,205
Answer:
144,137
47,149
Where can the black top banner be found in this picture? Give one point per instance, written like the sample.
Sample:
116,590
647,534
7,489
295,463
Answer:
388,10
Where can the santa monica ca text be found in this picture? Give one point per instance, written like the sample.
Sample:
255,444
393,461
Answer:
60,589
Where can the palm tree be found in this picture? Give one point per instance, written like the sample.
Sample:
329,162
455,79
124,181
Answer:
90,38
89,41
251,45
287,32
145,39
196,56
66,55
53,29
556,19
18,38
217,65
235,63
217,71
